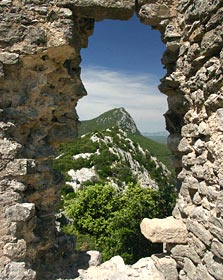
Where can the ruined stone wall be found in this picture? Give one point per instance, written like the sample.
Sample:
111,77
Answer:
39,89
193,33
40,85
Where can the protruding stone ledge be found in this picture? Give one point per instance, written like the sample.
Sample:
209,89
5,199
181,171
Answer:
122,10
168,230
154,13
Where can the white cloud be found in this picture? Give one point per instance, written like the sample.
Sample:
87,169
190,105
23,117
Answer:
137,93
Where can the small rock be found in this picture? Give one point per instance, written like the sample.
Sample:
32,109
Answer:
18,271
15,250
95,258
220,119
5,2
9,58
20,212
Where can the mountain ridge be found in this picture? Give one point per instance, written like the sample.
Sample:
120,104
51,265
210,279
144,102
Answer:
116,117
110,156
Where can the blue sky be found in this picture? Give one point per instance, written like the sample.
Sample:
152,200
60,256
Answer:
121,68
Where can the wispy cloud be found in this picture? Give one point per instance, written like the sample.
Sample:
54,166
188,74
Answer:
137,93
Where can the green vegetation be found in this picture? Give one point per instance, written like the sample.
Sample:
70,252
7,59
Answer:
103,217
109,161
159,139
117,117
112,218
156,149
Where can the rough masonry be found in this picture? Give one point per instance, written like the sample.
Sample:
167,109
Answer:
40,85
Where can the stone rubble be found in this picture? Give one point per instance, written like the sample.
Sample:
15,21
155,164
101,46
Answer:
115,269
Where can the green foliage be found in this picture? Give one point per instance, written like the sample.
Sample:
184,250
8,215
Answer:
112,218
156,149
102,217
65,161
107,120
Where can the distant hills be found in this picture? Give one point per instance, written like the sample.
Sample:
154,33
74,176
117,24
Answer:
160,137
117,117
120,118
111,149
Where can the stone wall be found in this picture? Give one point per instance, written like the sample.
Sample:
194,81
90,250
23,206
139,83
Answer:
40,86
40,44
193,33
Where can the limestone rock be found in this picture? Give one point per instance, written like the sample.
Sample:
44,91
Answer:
199,231
168,230
182,251
189,268
115,269
95,258
217,248
17,271
213,267
167,266
21,212
220,119
202,273
15,250
154,13
100,9
9,58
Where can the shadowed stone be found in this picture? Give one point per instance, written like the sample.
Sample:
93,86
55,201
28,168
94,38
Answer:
100,9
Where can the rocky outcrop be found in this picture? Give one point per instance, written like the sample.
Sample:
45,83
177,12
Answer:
40,44
117,117
110,156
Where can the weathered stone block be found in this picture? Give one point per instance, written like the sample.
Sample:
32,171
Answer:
168,230
167,266
189,268
21,212
215,268
219,116
197,245
200,214
15,250
95,258
202,273
100,9
18,167
219,205
217,248
154,13
185,146
9,58
212,41
182,251
17,271
8,149
199,231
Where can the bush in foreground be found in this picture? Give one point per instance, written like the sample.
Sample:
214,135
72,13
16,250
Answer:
111,218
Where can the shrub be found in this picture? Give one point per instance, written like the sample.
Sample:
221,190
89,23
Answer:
112,218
